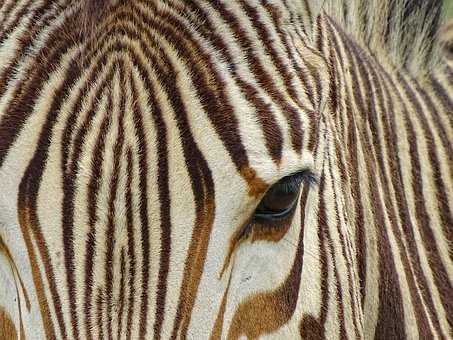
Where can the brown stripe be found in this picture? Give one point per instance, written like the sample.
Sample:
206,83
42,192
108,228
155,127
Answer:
203,190
143,215
208,82
69,167
70,170
449,74
277,20
27,91
7,328
410,274
384,328
164,201
93,188
263,78
113,192
391,312
99,309
270,128
441,195
7,9
266,312
130,243
339,289
432,111
264,35
6,29
421,209
389,294
347,256
24,43
441,93
27,226
143,330
143,192
121,296
440,276
352,157
311,327
29,186
352,144
218,325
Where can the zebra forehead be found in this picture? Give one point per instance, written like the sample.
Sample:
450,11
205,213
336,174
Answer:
91,11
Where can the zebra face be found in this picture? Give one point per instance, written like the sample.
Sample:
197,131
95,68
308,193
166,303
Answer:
249,279
233,237
165,164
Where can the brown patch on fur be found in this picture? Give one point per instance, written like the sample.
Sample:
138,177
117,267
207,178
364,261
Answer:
271,233
7,329
257,186
264,313
310,328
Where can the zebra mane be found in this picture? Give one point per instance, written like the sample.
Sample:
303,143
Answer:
406,32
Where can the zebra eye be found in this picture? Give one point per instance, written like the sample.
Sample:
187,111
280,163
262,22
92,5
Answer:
281,199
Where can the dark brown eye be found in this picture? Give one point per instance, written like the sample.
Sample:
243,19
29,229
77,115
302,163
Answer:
280,200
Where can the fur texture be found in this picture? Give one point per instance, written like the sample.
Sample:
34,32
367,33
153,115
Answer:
403,31
138,139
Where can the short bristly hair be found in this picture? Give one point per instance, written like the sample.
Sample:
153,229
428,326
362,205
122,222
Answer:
404,31
92,11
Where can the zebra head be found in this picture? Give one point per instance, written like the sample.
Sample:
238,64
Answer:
223,134
223,170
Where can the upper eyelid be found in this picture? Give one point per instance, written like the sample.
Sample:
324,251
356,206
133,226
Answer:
293,181
301,176
310,177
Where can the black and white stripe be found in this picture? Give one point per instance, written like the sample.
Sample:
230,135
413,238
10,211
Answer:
137,138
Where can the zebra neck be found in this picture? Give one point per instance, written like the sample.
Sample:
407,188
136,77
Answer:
389,145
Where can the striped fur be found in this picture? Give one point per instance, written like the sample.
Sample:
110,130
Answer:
137,138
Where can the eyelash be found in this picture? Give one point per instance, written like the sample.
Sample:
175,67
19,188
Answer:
292,182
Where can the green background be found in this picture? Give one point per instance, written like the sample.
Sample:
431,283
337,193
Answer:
449,8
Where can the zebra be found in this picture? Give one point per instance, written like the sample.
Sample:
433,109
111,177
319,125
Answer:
225,169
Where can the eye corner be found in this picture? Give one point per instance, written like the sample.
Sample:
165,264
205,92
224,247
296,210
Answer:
309,177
